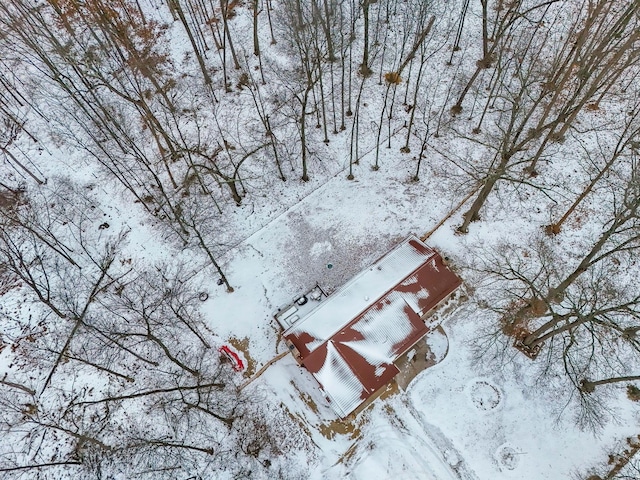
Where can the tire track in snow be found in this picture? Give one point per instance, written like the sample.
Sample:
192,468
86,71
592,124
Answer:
435,441
388,437
405,432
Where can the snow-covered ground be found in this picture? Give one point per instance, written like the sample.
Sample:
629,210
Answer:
466,417
479,413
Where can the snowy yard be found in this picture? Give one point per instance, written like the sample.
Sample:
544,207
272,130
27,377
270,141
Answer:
174,173
465,417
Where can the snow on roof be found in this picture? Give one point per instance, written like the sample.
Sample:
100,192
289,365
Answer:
343,388
350,346
428,285
384,329
366,349
359,294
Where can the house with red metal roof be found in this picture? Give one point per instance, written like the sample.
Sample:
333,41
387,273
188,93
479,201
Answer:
350,341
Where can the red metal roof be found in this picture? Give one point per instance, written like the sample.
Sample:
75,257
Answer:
352,356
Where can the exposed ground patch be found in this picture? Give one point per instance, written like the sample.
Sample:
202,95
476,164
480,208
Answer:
242,345
425,354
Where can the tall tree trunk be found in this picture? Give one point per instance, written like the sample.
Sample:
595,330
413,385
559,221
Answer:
473,214
303,135
364,65
203,68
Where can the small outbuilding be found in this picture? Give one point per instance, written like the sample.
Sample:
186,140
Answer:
350,340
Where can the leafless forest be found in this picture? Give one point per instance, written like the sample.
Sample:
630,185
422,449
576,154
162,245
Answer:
189,109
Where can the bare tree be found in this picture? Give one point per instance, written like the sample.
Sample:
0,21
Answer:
540,107
132,342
